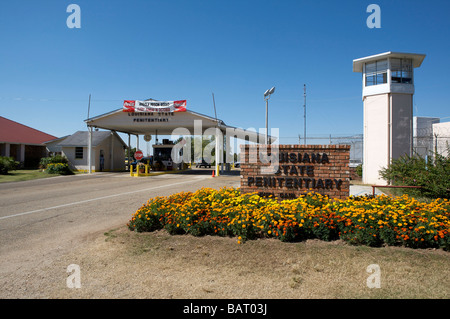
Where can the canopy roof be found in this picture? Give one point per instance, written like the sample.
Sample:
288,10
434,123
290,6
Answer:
164,123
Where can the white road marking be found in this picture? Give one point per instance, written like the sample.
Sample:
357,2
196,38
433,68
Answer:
95,199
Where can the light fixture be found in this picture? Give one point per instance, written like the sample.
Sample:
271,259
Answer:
269,91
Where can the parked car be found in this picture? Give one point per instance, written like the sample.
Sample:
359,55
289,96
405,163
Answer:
204,164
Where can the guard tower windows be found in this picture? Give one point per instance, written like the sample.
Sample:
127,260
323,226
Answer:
376,72
401,71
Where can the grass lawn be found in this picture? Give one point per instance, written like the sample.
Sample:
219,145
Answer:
24,175
126,264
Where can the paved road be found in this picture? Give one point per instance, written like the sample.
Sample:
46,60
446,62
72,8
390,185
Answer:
43,219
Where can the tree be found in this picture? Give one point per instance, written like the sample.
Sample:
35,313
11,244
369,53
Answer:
132,151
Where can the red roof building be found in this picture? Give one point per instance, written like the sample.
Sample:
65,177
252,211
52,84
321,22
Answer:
23,143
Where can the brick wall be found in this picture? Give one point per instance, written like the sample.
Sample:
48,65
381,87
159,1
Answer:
322,169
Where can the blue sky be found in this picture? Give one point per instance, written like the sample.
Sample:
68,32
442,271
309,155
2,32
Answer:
174,49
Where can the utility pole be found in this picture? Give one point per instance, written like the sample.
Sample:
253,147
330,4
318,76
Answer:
89,139
304,112
89,106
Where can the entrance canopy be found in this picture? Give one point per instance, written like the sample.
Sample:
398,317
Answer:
164,123
186,123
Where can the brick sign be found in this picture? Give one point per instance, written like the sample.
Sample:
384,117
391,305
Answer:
300,169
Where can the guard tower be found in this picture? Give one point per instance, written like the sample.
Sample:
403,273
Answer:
388,89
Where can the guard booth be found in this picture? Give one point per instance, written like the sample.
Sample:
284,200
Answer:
163,118
162,156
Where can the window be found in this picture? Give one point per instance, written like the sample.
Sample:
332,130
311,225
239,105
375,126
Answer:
401,71
376,72
78,152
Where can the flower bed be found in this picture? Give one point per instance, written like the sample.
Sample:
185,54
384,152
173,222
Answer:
372,221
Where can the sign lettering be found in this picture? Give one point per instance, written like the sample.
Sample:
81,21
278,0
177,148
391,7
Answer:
154,106
299,169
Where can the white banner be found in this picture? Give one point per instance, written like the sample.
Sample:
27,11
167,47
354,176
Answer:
154,106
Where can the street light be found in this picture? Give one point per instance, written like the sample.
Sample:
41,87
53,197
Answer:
266,98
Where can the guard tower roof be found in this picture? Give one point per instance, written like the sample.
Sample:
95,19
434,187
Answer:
417,59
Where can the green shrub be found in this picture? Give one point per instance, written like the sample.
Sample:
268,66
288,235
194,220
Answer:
52,159
7,164
359,170
433,175
58,168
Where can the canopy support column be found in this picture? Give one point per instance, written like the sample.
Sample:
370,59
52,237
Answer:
228,152
90,149
219,150
129,152
112,151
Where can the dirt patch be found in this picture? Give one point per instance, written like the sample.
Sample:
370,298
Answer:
125,264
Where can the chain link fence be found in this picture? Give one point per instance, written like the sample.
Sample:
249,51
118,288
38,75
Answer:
426,142
355,142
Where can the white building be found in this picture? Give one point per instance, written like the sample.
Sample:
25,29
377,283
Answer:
423,135
441,138
388,89
105,144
